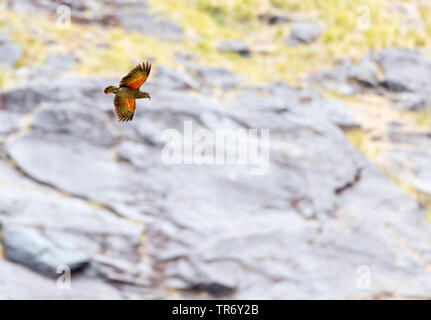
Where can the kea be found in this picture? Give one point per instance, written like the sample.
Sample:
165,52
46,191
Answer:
125,95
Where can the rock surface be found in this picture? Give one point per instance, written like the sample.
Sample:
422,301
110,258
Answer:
27,246
131,14
216,77
132,18
399,139
348,78
9,52
305,32
235,46
275,18
404,70
405,77
21,283
146,225
312,220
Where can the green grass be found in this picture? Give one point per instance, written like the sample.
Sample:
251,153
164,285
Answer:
206,22
423,199
126,50
33,47
356,138
423,118
212,21
5,78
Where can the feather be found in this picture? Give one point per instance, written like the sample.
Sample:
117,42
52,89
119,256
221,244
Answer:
124,108
137,76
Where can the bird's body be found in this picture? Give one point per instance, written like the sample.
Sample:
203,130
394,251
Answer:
128,91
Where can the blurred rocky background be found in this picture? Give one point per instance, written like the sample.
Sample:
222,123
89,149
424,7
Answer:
343,212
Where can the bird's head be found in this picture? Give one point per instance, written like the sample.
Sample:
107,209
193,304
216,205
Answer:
110,89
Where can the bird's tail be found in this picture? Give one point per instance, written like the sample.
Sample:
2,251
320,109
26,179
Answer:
110,89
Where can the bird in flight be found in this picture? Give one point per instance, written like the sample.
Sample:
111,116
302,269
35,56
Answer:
125,95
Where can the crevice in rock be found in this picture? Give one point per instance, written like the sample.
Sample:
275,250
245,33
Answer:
14,165
248,267
44,228
350,184
414,253
244,265
215,289
1,243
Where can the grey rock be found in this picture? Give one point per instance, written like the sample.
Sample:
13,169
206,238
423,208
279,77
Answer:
9,52
129,14
137,154
281,98
406,159
405,78
236,46
132,18
365,73
43,229
27,203
175,79
305,32
334,111
124,272
404,70
335,80
56,64
217,77
414,101
185,56
348,78
70,121
22,283
302,229
66,88
21,100
9,123
398,135
27,246
274,18
411,167
83,164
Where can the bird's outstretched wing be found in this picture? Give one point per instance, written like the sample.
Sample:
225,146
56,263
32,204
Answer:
124,108
136,76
